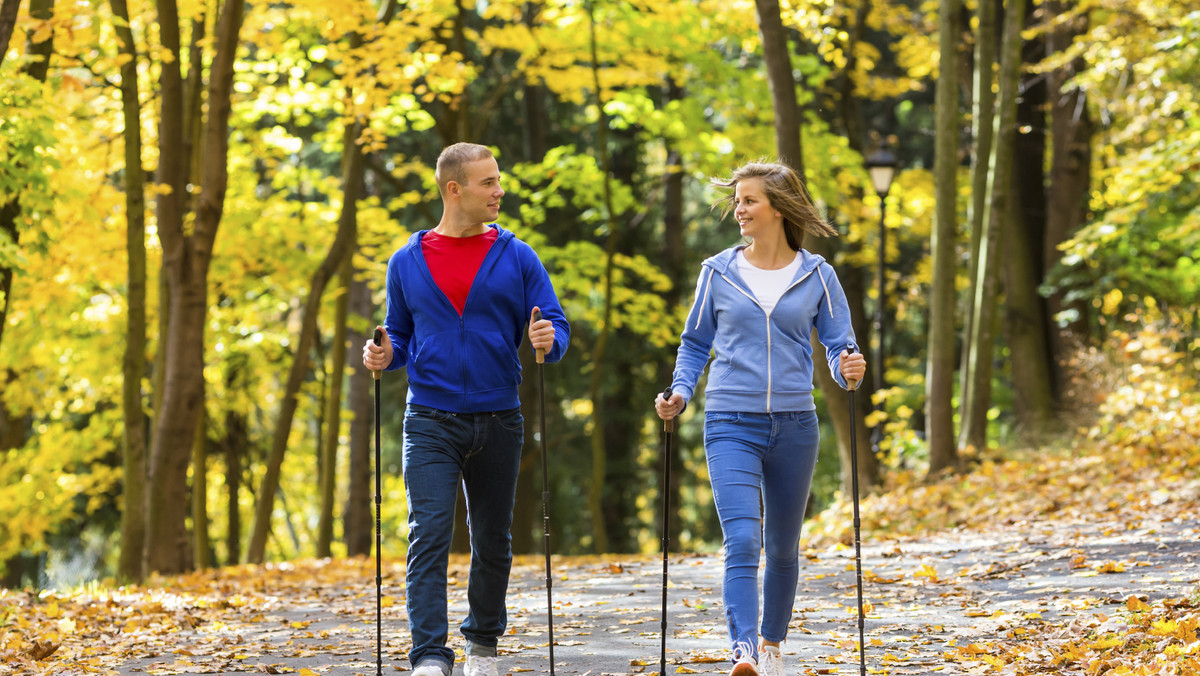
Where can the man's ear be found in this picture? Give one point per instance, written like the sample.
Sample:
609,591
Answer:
453,188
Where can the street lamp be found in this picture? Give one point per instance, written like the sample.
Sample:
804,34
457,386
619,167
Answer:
881,165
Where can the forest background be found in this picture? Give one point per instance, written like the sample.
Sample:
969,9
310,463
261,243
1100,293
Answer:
198,199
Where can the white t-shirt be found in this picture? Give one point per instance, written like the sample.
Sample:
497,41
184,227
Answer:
767,285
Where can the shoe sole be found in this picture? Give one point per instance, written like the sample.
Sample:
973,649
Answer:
744,669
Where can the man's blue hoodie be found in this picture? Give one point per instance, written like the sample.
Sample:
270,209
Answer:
764,361
469,363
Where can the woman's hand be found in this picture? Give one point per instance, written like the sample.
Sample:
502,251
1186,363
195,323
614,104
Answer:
668,408
854,366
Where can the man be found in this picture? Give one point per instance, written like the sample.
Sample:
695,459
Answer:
458,299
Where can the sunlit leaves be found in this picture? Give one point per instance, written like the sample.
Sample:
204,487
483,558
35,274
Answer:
1141,68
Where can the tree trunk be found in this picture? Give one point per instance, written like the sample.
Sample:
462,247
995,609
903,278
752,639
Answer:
357,529
203,547
854,284
133,517
186,262
8,19
1070,181
1023,319
343,243
352,190
598,438
237,439
980,316
673,266
939,385
782,84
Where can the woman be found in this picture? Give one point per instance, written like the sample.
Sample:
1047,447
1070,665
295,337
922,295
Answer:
757,304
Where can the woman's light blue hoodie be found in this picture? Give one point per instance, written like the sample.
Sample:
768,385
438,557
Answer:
764,360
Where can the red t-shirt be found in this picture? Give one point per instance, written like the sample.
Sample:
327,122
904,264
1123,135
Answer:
454,262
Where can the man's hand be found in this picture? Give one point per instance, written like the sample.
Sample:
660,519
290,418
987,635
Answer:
541,332
377,357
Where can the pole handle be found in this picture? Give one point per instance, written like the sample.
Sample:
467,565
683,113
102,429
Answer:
668,425
851,383
539,352
378,341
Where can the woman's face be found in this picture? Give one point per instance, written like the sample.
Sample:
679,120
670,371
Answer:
754,213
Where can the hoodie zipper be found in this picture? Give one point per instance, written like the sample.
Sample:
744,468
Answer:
770,380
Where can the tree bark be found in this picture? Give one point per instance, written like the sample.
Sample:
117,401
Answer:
133,517
1070,180
527,514
782,84
202,545
599,448
8,20
853,278
980,319
673,251
357,528
1024,319
939,384
333,415
186,261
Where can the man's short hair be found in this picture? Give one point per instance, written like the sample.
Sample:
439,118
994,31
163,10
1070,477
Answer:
452,163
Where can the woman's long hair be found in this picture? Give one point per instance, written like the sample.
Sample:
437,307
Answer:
787,195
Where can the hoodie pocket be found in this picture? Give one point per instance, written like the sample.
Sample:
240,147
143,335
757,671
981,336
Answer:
493,363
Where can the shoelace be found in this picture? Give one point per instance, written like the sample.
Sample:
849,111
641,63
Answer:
743,650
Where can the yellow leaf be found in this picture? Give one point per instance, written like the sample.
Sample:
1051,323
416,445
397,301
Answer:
307,672
1136,605
1164,628
927,571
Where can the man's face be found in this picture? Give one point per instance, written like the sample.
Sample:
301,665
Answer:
480,193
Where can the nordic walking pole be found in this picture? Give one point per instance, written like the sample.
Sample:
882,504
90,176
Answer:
852,385
668,427
378,530
541,359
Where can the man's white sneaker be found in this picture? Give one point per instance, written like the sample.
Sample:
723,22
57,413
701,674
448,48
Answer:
770,662
428,669
480,666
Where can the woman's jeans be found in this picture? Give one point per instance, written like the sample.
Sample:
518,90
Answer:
483,452
767,456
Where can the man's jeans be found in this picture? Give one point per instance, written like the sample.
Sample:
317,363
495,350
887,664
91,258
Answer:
771,455
483,452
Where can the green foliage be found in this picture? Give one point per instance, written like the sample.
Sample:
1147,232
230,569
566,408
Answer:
1141,246
27,157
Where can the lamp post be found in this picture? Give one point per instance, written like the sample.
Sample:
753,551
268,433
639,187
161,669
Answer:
881,165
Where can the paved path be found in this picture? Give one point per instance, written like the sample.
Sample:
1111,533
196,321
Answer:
926,596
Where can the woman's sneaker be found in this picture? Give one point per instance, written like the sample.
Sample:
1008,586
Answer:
770,662
743,660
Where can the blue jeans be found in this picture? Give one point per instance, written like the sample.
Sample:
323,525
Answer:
768,457
483,452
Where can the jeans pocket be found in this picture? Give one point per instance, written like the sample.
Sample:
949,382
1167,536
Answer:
510,420
722,417
418,412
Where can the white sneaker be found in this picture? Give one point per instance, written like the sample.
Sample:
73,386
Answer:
770,662
428,669
743,660
480,666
